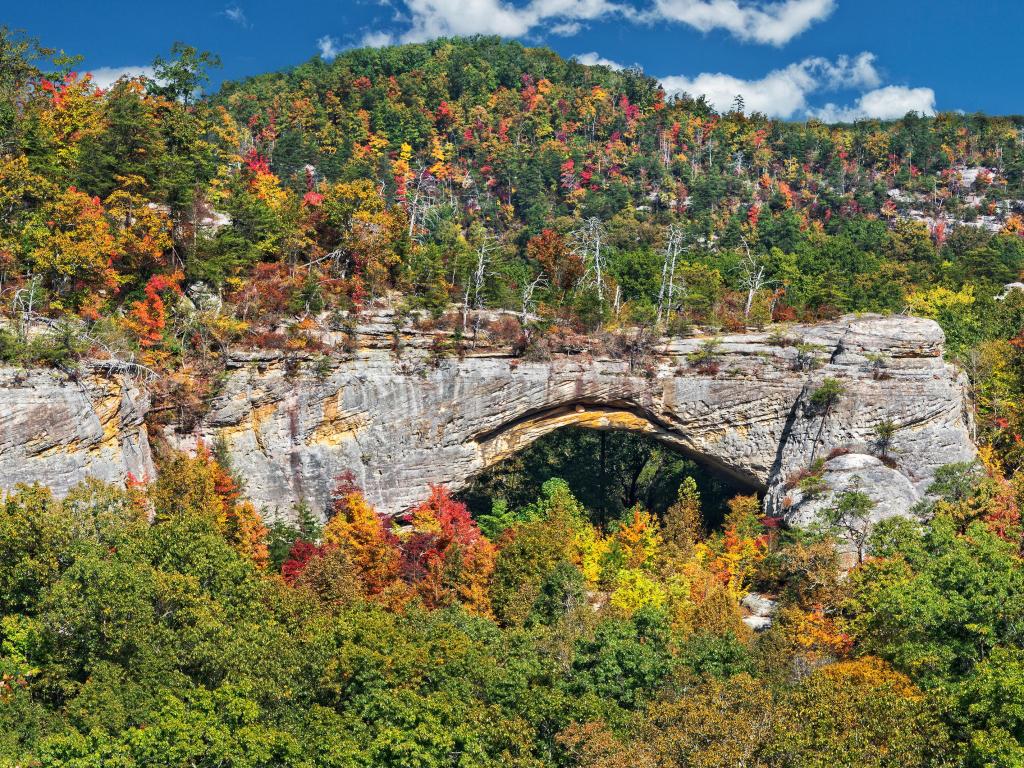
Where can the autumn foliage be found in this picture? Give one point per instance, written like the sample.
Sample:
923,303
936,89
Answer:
366,537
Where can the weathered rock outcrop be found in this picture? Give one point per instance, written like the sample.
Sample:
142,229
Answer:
400,423
57,431
403,420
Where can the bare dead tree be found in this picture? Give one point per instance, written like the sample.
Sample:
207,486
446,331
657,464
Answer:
526,296
673,247
422,196
586,242
476,283
24,302
753,275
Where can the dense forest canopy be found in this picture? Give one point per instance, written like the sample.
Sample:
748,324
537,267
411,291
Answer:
157,226
166,626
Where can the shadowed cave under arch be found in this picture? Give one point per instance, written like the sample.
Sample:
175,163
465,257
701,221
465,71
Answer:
612,456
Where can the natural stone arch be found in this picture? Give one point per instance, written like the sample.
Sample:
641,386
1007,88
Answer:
517,435
402,420
401,423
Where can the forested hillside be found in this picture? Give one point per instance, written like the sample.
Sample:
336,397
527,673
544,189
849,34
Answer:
151,224
154,226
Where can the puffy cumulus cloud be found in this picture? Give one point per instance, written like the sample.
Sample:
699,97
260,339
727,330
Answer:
774,23
889,103
104,77
376,39
783,92
594,59
431,19
858,72
328,47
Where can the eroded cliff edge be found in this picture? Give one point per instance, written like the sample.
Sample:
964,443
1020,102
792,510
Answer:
401,417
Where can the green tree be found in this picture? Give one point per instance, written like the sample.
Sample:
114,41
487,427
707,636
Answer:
183,76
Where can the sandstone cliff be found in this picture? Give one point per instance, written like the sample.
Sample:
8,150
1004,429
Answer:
57,430
403,419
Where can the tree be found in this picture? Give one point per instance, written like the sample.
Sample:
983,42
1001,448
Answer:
35,540
563,266
822,400
850,517
73,247
182,77
356,528
625,660
525,560
131,145
895,725
684,522
445,557
666,292
712,724
638,539
935,602
989,703
587,241
885,432
330,574
245,530
752,273
142,230
827,394
19,55
956,483
148,318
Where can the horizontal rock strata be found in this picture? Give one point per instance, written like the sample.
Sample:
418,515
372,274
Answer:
400,415
401,422
57,430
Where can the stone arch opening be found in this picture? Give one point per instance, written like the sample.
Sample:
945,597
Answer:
613,454
516,434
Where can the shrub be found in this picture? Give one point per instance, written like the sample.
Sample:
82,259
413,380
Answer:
707,359
806,357
827,394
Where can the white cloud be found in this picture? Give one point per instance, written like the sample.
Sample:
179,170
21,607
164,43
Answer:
762,21
775,23
328,47
889,103
104,77
376,39
859,72
566,29
783,92
431,19
237,15
594,59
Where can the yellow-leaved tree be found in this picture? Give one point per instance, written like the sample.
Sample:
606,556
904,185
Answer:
73,248
361,532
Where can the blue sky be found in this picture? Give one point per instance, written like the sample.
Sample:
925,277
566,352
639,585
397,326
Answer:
837,59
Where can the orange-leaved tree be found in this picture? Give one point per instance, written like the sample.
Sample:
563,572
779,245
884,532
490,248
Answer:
445,556
148,317
357,527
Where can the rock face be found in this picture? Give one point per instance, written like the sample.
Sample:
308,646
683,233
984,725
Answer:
400,421
760,611
57,431
891,490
